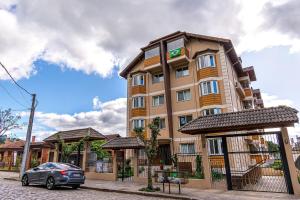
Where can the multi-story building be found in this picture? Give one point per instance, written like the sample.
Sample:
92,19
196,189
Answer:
180,77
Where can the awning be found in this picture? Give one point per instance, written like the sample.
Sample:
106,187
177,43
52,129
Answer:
124,143
273,117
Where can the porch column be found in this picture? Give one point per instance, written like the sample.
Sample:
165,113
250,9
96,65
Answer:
55,155
205,162
86,149
115,166
290,161
135,163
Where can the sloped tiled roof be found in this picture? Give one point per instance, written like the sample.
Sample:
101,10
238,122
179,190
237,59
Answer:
112,136
124,143
12,144
76,134
272,117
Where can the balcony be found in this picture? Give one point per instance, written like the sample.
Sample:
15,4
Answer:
240,90
152,63
248,92
178,56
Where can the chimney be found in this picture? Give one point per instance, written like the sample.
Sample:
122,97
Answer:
33,138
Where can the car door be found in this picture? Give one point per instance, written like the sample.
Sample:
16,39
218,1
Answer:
43,175
33,175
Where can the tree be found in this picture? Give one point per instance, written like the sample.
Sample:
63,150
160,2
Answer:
96,146
199,172
8,121
151,147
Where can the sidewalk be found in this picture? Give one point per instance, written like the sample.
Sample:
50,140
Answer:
187,193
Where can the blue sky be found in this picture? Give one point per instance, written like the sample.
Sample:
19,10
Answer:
70,53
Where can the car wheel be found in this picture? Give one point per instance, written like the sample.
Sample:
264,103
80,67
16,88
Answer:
25,181
50,183
75,187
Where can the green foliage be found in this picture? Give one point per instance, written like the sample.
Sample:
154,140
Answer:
151,146
34,161
277,165
199,172
272,146
217,176
146,189
8,121
18,161
96,146
175,161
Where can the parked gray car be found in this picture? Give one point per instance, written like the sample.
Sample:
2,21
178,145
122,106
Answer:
54,174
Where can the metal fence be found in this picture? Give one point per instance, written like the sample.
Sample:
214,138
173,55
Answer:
104,165
296,157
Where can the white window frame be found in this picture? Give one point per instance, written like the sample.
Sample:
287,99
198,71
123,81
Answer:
179,72
203,56
185,98
140,102
140,122
219,143
140,79
157,78
207,87
186,150
158,98
215,111
185,116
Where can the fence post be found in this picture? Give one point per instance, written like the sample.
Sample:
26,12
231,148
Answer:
227,163
205,162
290,161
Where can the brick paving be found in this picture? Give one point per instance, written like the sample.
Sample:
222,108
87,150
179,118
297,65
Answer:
14,190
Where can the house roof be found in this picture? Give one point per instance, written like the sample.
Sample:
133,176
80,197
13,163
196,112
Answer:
124,143
18,144
112,136
229,49
76,134
272,117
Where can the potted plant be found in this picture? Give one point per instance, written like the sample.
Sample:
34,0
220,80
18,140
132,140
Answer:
161,166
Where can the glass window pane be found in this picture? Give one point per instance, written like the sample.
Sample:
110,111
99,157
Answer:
152,52
175,44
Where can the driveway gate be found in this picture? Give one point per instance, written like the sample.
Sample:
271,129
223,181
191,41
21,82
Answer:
124,168
251,161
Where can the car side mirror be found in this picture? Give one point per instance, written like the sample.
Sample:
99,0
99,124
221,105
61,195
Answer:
36,169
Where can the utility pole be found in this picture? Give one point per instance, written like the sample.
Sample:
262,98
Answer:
28,137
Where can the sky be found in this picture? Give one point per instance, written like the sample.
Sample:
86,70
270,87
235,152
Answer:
70,53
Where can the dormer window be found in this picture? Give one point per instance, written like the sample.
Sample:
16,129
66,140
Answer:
138,80
207,60
152,52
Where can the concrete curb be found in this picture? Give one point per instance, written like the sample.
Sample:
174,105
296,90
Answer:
148,194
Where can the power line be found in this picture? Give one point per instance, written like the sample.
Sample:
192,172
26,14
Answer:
12,97
14,80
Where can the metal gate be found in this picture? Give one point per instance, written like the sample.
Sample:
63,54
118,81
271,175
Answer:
251,161
124,168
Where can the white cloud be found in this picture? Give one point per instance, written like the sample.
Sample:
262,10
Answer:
95,36
273,100
108,118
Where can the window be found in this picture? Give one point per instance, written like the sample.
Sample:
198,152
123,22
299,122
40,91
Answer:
138,123
158,100
137,102
156,78
152,52
181,72
209,87
138,80
162,123
206,61
184,95
185,119
211,111
187,148
215,146
175,44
